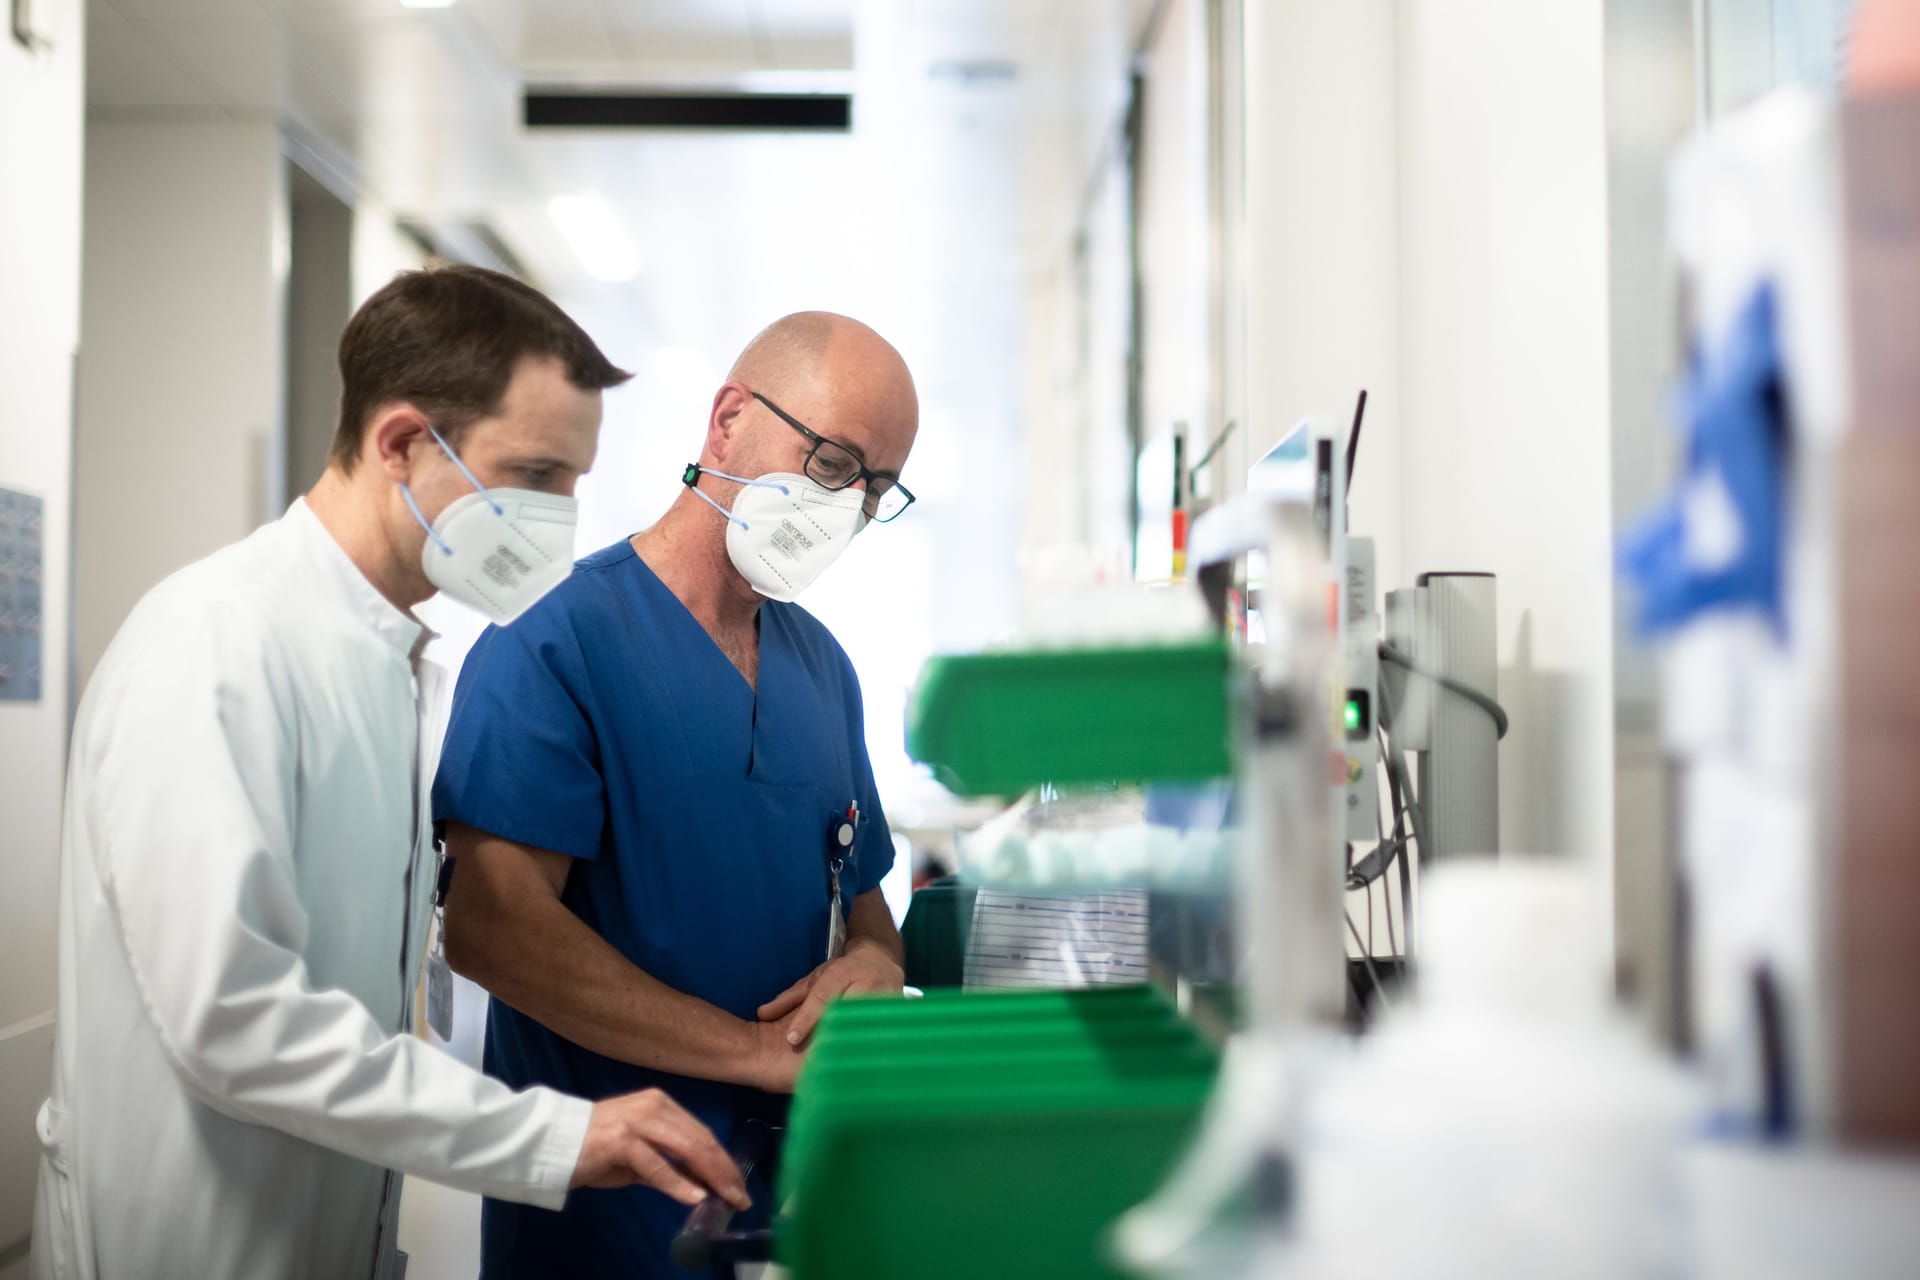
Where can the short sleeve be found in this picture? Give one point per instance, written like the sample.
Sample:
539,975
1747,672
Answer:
521,760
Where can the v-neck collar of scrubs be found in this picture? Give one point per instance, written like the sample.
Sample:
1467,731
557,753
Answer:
764,711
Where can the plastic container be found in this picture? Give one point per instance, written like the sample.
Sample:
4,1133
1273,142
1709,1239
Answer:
983,1135
999,723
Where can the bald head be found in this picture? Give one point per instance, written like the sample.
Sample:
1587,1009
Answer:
835,353
790,347
836,375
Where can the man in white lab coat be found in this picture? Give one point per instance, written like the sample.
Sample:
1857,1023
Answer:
247,874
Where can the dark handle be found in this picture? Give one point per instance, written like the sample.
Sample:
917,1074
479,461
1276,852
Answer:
693,1247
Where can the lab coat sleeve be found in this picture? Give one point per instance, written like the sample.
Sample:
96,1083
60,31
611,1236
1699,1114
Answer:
192,783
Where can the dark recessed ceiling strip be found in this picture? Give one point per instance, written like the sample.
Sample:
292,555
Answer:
778,112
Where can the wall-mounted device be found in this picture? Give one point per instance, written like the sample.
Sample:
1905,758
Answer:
1439,668
1360,644
22,566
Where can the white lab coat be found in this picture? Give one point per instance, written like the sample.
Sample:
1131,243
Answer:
245,884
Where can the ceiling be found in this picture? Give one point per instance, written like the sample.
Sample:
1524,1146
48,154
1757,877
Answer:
421,107
977,124
928,218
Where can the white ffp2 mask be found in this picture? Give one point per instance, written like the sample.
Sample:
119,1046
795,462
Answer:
784,530
497,550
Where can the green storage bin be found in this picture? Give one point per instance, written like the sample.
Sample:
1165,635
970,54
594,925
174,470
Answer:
999,723
1027,1002
983,1135
1091,1010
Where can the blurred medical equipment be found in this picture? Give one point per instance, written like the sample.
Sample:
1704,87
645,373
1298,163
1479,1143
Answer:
1118,713
1516,1122
1778,581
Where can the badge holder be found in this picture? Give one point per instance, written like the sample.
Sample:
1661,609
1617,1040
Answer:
439,974
840,834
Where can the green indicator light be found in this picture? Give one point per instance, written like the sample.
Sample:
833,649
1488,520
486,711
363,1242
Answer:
1353,715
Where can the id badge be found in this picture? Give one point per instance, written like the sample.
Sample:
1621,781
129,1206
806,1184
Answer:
439,982
836,922
840,836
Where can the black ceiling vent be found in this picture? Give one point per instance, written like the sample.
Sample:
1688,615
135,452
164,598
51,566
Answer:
767,112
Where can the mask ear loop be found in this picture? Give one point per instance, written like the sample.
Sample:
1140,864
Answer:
691,478
406,492
477,486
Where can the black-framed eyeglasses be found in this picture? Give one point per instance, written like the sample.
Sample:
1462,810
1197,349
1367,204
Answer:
834,466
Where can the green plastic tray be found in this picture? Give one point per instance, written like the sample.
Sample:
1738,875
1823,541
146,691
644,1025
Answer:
999,723
947,1002
983,1135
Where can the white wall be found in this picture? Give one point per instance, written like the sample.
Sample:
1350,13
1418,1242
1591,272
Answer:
178,449
1426,217
1322,188
1504,375
378,250
1175,291
41,114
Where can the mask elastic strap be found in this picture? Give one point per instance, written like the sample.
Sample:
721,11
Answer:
691,478
406,491
471,479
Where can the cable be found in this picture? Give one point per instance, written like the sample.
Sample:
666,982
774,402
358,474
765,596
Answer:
1375,864
1390,654
1406,899
1212,449
1393,943
1354,989
1373,974
1397,774
1353,438
1400,837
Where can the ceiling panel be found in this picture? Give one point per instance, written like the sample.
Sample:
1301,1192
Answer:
571,37
125,69
693,35
149,11
779,16
955,187
806,50
241,60
334,10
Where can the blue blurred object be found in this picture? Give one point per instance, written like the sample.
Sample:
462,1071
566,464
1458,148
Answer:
1200,806
1717,543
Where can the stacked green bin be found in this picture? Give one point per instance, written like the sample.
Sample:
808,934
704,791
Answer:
998,723
973,1135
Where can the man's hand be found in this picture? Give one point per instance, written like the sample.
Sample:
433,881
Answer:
648,1138
776,1060
863,968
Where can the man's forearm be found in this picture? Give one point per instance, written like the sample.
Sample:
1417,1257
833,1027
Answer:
870,924
537,956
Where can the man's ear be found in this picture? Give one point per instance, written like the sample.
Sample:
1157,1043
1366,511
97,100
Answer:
724,422
393,435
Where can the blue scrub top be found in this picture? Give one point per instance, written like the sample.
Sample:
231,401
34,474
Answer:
605,724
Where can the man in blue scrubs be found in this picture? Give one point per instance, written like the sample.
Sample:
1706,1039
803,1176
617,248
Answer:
657,791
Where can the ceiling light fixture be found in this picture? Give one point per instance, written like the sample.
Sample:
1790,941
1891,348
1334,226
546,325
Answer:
427,4
599,241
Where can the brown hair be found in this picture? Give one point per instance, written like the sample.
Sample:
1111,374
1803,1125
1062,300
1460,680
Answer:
447,340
